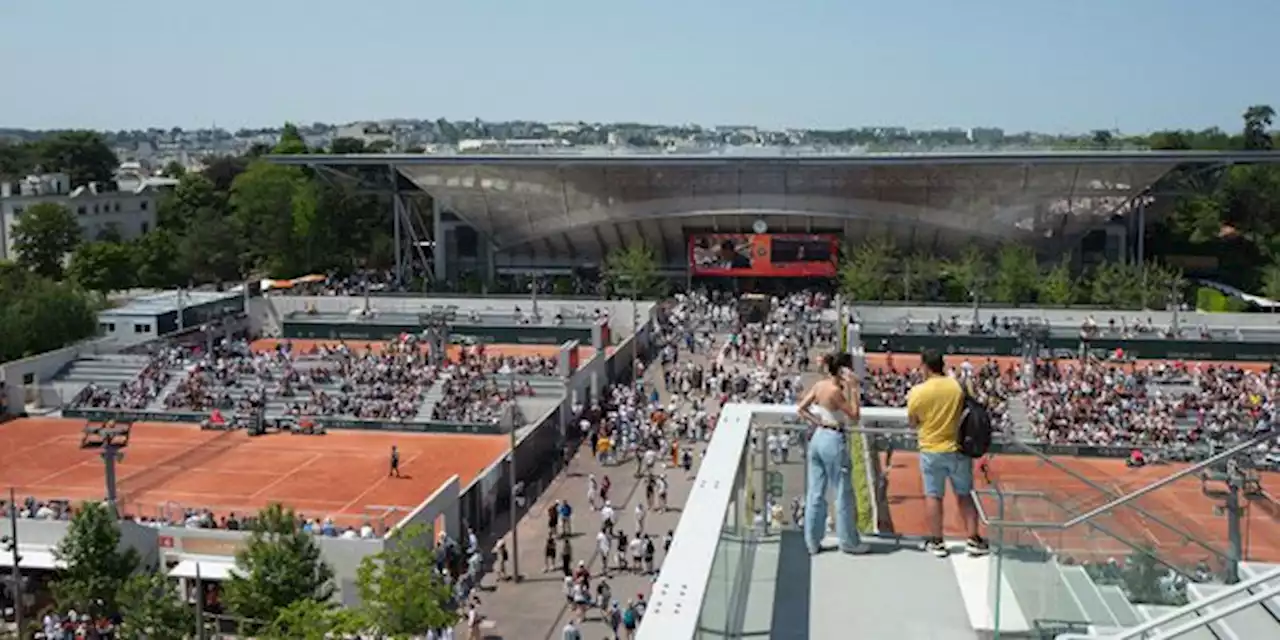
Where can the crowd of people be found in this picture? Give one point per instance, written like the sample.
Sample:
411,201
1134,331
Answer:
136,393
391,382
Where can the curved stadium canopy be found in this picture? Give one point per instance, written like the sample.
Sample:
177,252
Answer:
564,203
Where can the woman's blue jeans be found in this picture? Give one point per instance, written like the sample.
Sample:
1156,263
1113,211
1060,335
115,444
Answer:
829,466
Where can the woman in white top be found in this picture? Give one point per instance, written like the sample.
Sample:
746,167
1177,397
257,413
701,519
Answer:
830,407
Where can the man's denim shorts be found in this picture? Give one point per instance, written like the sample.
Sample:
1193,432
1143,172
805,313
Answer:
936,468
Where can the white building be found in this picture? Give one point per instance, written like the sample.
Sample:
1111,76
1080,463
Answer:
128,207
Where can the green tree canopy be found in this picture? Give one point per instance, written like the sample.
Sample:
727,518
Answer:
401,594
152,610
43,236
279,564
103,267
38,314
1058,286
312,620
1017,274
633,270
865,270
83,155
96,567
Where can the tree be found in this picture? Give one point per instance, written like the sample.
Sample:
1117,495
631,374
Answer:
174,169
346,146
152,609
633,271
194,192
311,620
103,267
1257,122
43,236
920,271
155,256
969,274
210,249
1116,284
96,567
39,315
1016,274
1102,139
279,564
1057,287
274,206
83,155
1271,281
291,142
865,270
401,594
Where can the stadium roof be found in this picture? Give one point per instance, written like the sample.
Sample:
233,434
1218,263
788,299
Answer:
561,201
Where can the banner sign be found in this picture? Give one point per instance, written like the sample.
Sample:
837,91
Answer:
778,255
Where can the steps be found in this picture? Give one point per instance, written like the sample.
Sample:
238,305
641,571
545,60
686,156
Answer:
1019,414
1053,594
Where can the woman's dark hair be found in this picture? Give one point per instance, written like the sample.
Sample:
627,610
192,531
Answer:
836,361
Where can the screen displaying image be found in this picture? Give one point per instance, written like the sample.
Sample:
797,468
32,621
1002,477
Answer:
764,255
800,250
722,252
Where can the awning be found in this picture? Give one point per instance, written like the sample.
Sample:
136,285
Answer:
216,570
32,559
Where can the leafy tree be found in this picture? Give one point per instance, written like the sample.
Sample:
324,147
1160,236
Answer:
347,146
1257,122
278,565
38,315
291,142
1057,287
865,270
401,594
633,271
194,192
210,249
969,274
1016,274
83,155
153,610
311,620
96,568
1271,281
1116,284
103,267
174,169
275,206
156,259
919,271
43,236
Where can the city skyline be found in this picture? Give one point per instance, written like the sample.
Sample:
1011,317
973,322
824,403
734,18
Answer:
1135,67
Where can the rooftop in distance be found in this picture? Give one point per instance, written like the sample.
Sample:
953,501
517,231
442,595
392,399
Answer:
167,302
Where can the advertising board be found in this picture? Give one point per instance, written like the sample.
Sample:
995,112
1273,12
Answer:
768,255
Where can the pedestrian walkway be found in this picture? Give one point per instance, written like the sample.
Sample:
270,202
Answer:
536,609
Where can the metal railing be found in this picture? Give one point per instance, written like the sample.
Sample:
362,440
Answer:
1139,632
1129,497
1048,460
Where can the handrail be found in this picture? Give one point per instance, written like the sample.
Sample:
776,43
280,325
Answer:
1150,626
1047,459
1123,500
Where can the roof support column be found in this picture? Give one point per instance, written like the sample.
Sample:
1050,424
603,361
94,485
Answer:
397,210
439,248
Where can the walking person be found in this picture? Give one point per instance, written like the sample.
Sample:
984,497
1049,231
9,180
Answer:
831,407
394,472
934,408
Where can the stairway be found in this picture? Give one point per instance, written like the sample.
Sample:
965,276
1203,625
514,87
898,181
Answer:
1054,594
1019,414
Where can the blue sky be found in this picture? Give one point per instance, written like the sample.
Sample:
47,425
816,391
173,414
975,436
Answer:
1045,65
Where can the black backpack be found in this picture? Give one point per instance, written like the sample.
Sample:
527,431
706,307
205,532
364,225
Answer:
973,436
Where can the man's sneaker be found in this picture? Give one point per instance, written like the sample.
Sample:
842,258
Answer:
937,548
977,546
859,549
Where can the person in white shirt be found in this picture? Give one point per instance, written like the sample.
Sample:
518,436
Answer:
640,511
602,545
606,517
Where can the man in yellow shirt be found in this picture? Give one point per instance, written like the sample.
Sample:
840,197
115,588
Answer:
934,408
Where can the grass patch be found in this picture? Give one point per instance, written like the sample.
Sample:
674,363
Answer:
861,488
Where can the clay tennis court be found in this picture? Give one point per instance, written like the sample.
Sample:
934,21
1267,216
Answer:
171,467
1172,513
585,353
1164,518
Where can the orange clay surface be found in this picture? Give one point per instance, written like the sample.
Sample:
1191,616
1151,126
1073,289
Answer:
1166,514
514,350
342,474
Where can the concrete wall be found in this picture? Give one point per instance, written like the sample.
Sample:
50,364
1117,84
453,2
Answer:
48,534
620,311
439,509
876,313
41,368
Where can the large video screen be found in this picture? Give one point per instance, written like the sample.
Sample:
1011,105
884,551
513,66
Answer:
777,255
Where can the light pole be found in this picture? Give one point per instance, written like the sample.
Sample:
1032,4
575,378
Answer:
509,414
11,545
